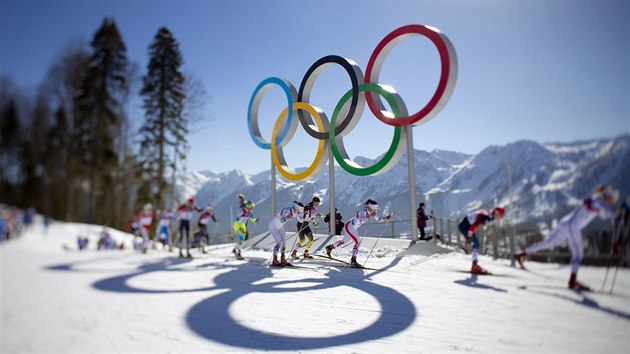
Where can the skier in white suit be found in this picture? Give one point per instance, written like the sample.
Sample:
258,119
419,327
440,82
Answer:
601,204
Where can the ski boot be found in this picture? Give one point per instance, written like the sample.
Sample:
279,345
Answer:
284,262
188,255
307,255
576,285
294,255
238,255
354,264
181,255
329,249
275,262
520,258
476,269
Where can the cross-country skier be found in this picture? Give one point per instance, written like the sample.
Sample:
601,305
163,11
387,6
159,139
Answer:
145,219
304,229
164,227
601,204
240,224
202,224
185,213
105,241
243,204
369,212
276,227
134,225
470,224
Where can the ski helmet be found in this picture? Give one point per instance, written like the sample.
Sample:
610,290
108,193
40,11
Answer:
148,206
191,201
499,211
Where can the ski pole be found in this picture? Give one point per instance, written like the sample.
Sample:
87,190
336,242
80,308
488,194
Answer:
618,264
304,226
616,232
214,233
375,242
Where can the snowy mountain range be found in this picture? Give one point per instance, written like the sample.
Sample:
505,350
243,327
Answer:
547,180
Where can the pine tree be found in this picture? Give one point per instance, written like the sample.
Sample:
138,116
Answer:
34,153
62,82
98,116
58,146
163,133
9,150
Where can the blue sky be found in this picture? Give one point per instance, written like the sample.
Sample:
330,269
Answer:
548,71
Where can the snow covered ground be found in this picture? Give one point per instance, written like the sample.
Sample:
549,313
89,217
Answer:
64,301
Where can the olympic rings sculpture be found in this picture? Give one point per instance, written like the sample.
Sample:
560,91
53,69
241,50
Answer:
365,89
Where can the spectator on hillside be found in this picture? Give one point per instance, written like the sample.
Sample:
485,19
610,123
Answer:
421,221
338,222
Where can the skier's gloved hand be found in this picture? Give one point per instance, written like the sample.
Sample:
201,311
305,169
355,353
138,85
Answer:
254,220
315,224
321,216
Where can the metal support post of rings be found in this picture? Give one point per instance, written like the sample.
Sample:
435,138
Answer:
351,106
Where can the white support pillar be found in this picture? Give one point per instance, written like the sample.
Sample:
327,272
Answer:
412,183
273,189
331,192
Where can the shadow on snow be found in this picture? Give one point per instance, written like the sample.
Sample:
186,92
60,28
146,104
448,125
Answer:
472,282
585,299
211,319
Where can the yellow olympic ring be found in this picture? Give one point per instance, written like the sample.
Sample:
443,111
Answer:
322,148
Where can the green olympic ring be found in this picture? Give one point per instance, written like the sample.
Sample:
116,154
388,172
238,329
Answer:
396,148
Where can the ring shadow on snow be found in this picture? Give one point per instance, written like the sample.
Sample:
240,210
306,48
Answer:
211,319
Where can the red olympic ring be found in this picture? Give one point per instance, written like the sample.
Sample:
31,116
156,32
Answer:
448,76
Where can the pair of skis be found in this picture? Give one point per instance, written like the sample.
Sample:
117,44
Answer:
345,264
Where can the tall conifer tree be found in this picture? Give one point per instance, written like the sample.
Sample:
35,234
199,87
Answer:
165,128
98,117
9,150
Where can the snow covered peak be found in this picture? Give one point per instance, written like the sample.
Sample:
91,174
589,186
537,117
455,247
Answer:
545,179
